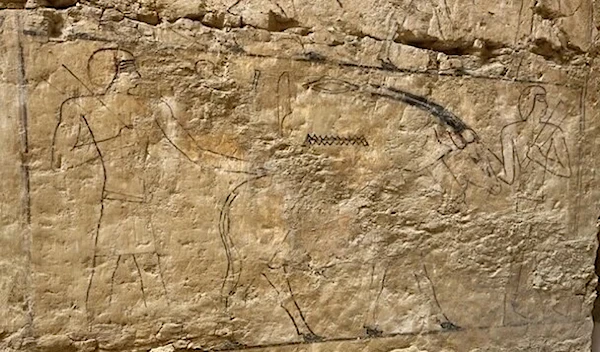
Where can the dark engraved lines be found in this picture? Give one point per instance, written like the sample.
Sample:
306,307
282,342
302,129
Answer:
120,153
455,126
328,61
446,324
233,271
24,126
534,147
546,148
333,140
331,85
25,198
446,329
100,216
284,95
443,116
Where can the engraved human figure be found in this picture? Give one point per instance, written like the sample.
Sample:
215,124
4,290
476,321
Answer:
447,162
453,139
308,235
110,131
451,147
533,148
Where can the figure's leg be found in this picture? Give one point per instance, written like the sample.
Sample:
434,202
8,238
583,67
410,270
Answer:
150,275
376,285
110,296
517,297
136,283
101,284
93,292
90,287
279,281
240,204
232,274
513,289
152,260
128,286
161,273
427,287
453,188
143,287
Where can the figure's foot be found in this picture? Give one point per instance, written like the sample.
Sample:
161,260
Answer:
452,205
388,65
312,337
231,344
449,326
517,310
373,331
448,208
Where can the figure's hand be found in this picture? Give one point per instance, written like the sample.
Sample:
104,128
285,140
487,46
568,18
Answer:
534,153
495,188
463,138
469,135
261,171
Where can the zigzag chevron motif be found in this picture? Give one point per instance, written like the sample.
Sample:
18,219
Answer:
315,139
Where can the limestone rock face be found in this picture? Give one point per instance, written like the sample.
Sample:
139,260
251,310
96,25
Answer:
293,175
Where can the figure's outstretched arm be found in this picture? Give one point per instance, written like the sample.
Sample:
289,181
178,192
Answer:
436,147
191,149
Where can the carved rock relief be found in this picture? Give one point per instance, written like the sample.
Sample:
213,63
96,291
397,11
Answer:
235,198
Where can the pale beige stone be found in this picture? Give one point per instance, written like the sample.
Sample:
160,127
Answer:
168,348
286,175
409,349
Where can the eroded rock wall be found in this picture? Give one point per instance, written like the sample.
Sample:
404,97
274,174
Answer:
288,175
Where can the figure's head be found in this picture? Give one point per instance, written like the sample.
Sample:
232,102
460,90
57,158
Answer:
112,67
532,102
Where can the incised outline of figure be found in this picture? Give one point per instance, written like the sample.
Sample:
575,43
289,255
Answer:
110,130
450,137
536,141
454,136
533,148
119,150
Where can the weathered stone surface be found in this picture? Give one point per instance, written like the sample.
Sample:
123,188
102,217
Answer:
61,3
291,176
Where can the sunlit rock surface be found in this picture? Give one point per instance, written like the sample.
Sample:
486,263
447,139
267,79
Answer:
292,175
